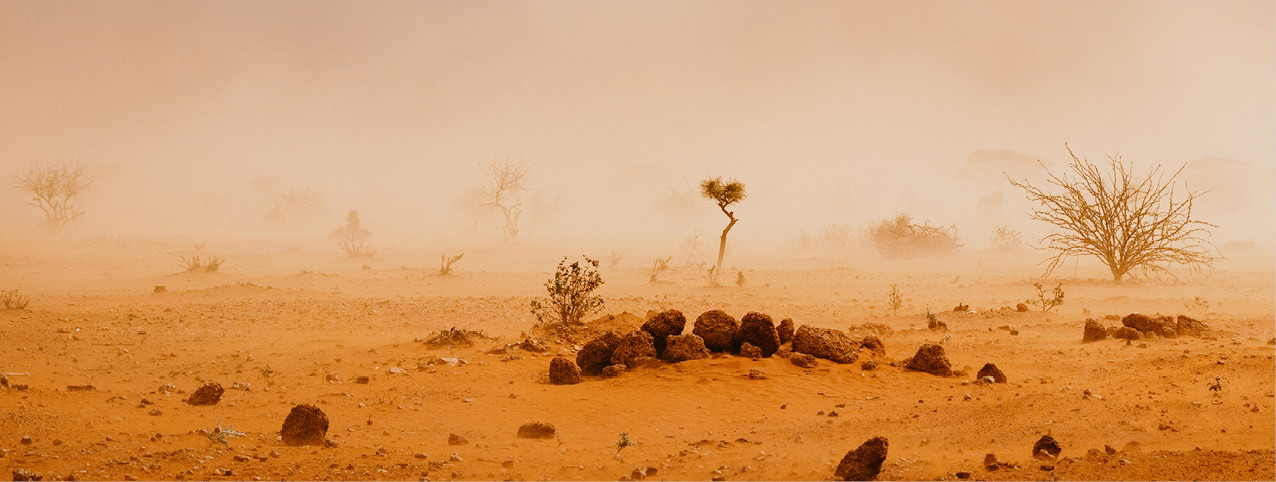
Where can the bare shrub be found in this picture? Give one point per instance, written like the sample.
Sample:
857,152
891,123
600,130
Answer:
54,190
613,259
1047,301
297,204
724,193
505,181
895,299
356,249
1005,238
445,263
659,265
900,237
13,300
198,262
1129,222
691,246
835,236
570,294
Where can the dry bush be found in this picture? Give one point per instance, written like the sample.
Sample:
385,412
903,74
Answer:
1047,301
659,265
356,249
352,229
54,190
613,259
895,299
197,262
835,236
445,263
505,181
1130,223
295,204
1005,238
13,300
691,246
899,238
570,294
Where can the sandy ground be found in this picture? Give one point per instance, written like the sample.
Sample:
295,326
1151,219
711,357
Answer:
303,313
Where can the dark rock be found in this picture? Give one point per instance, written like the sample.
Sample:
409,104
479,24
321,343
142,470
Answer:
1046,448
874,345
758,330
785,330
747,350
1188,326
1094,331
455,439
612,371
863,463
825,343
634,349
538,430
930,359
206,394
803,360
680,348
869,365
990,462
1126,333
24,474
563,371
306,425
962,307
1162,325
936,325
665,324
597,353
1022,308
990,370
159,289
718,330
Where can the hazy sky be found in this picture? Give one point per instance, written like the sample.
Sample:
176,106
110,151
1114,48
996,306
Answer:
828,111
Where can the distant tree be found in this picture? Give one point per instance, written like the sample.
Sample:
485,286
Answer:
298,204
725,194
1128,222
54,190
504,184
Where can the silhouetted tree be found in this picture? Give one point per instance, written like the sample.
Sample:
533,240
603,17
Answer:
725,194
54,190
505,183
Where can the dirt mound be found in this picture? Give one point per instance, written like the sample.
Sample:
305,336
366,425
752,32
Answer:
563,371
1046,448
306,425
747,350
634,349
990,370
803,360
206,394
454,337
1094,331
863,463
930,358
758,330
785,330
1163,326
597,353
538,430
879,329
684,347
1189,326
825,343
873,345
665,324
718,329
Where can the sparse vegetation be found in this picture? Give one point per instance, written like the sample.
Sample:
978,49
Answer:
220,435
895,299
613,259
691,246
1047,301
899,237
200,262
1005,238
445,263
659,265
505,181
13,300
570,292
1130,223
356,249
54,190
268,374
624,442
1198,304
739,278
724,193
297,204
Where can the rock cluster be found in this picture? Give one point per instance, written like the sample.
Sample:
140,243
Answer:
663,325
635,349
824,343
597,353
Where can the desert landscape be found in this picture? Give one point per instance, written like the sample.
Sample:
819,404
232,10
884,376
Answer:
638,241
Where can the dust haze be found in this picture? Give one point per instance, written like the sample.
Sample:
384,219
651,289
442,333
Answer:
335,151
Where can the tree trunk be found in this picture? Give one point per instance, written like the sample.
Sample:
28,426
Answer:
722,245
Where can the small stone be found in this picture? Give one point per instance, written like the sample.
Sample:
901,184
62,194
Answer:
755,374
536,430
455,439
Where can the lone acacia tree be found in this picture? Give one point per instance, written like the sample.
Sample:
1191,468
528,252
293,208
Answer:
506,180
54,189
725,194
1128,222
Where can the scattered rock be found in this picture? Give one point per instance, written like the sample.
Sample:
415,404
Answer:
747,350
24,474
755,374
563,371
990,370
1162,325
863,463
758,330
25,440
454,336
825,343
597,353
1022,308
665,324
206,394
930,358
681,348
79,388
1046,448
455,439
785,330
873,345
612,371
718,329
306,425
990,462
1094,331
634,349
538,430
803,360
